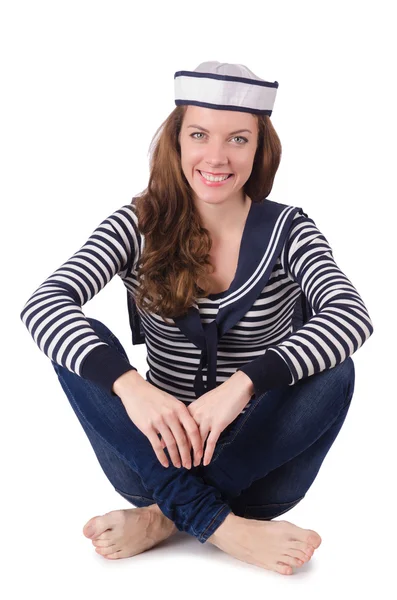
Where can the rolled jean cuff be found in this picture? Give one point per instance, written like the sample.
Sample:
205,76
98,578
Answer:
216,521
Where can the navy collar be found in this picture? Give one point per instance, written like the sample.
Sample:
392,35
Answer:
265,231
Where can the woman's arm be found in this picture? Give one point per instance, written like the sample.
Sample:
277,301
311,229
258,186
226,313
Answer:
53,313
340,325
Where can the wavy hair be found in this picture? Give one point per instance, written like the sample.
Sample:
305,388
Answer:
176,245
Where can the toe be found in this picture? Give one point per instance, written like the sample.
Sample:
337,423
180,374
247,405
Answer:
103,543
106,551
106,536
302,535
95,527
291,561
306,549
283,568
313,539
114,556
298,554
89,528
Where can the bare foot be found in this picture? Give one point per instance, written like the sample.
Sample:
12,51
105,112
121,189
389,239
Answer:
127,532
274,545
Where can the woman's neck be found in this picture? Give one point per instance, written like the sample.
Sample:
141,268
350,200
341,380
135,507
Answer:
225,220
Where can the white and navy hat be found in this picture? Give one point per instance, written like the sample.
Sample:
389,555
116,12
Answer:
226,87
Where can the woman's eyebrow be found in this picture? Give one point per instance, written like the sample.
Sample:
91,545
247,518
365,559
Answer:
231,133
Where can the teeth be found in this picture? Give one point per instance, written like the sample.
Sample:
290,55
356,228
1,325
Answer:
212,178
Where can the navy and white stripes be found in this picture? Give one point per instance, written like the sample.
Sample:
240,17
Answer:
53,313
341,324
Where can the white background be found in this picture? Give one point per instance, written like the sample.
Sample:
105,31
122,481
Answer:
85,85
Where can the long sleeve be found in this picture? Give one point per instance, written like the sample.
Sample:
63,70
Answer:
340,323
53,313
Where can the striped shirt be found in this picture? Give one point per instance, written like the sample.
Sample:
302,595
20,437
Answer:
339,326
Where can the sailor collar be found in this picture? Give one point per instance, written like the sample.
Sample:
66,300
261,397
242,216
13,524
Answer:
266,229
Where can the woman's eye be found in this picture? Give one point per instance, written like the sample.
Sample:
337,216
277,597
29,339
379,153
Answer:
241,138
197,133
235,137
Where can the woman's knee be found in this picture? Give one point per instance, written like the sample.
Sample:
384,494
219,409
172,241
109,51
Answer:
346,377
340,375
100,328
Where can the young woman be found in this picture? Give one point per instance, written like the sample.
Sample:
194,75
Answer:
249,326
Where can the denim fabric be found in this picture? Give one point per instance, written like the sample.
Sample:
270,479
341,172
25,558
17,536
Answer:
263,464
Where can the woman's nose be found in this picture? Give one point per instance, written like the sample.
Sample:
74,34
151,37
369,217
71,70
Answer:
216,156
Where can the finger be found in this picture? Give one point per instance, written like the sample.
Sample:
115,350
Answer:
194,436
204,431
171,444
157,446
211,443
180,436
163,444
190,446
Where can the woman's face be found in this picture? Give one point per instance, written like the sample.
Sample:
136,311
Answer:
220,150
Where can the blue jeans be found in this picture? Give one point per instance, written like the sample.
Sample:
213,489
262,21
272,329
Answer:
262,466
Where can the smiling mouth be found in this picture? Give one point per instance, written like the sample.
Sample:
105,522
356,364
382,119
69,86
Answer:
217,175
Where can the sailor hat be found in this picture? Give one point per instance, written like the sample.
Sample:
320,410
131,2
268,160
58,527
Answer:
225,86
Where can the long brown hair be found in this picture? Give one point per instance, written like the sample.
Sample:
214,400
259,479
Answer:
176,245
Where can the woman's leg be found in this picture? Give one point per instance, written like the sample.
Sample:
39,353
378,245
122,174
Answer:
281,439
124,480
194,506
283,488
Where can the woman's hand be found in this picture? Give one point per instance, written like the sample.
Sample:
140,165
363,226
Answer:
155,413
216,409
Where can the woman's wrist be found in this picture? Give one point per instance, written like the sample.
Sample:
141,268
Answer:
241,379
127,380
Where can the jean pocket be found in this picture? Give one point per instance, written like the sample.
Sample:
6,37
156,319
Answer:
265,512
